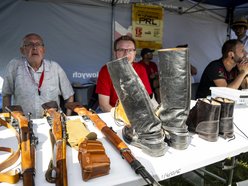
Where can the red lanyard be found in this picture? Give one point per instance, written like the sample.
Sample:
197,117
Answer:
41,77
41,80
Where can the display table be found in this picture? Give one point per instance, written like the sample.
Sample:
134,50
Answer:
200,153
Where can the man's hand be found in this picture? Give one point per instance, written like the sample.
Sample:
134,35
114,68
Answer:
68,111
193,70
244,83
104,103
243,67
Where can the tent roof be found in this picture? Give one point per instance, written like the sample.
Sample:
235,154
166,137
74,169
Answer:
239,7
81,40
223,3
236,7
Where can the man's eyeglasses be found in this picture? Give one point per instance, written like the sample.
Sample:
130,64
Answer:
123,50
33,45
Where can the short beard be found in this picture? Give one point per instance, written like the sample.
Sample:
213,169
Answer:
237,59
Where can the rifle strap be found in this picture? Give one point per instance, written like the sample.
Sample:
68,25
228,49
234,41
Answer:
11,176
49,177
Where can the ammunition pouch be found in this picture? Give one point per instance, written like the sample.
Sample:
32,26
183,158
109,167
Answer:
93,159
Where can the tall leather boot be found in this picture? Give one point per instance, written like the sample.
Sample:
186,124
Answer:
204,119
145,130
175,95
226,117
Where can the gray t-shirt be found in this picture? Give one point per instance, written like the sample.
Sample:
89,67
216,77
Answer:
21,81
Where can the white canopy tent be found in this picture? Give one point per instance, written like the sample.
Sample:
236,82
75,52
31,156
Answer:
78,34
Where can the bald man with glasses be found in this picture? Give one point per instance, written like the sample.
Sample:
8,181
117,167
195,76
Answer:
32,80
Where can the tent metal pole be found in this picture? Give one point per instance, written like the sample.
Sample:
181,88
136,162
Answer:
229,20
113,3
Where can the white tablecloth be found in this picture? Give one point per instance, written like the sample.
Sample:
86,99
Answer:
199,154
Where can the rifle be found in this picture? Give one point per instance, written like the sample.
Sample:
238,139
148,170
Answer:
115,140
28,144
58,133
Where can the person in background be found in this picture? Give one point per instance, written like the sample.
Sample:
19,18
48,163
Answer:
32,80
240,28
193,69
151,69
123,46
230,70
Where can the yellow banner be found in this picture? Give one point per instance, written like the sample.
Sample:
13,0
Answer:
147,25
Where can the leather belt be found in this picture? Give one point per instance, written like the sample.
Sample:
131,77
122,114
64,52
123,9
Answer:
11,176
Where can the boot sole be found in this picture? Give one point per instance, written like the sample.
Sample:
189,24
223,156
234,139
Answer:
178,140
226,135
209,137
208,130
156,150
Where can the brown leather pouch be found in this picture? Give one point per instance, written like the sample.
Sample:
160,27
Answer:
93,159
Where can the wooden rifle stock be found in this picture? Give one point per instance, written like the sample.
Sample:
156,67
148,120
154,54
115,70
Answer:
115,140
28,143
60,139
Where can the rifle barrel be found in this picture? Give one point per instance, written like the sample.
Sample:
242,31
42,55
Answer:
61,173
28,177
118,143
60,138
140,169
27,149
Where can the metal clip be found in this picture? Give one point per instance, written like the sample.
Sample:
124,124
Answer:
49,173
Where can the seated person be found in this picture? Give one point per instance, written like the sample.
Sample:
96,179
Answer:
193,69
33,80
229,71
123,46
151,69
